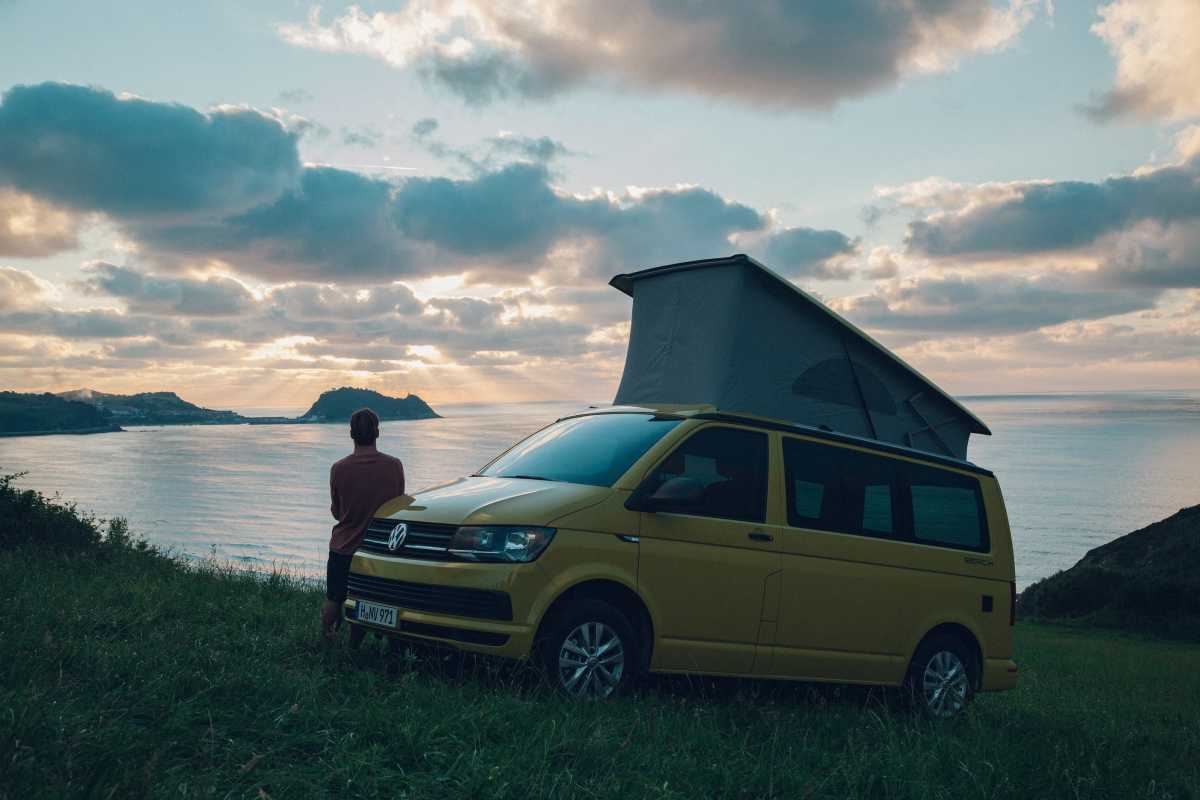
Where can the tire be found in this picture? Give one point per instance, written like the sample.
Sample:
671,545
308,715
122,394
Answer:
942,677
590,650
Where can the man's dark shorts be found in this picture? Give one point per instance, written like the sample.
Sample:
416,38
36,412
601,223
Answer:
337,573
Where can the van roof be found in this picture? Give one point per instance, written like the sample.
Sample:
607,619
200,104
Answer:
708,412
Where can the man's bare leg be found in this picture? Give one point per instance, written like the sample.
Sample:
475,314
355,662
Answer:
331,618
357,632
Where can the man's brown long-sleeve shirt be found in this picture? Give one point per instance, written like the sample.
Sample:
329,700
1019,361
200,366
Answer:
358,485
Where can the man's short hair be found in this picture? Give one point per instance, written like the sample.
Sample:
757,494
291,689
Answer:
364,426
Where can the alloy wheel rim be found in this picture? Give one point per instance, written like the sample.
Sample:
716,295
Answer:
945,684
591,661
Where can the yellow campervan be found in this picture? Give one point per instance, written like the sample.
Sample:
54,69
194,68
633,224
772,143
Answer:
667,537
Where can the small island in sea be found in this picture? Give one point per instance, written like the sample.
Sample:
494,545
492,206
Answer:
90,411
336,405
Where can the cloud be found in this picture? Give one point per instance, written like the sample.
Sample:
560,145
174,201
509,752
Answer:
882,263
1153,255
86,324
1157,51
805,252
344,226
800,55
361,137
214,296
174,318
322,302
540,148
936,193
993,304
1137,228
20,289
88,150
30,228
424,126
494,152
191,189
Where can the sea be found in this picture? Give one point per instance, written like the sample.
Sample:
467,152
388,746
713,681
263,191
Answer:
1077,470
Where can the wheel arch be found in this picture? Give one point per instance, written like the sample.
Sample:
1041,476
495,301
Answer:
616,594
965,635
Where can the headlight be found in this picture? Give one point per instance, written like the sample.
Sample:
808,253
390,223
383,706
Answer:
500,542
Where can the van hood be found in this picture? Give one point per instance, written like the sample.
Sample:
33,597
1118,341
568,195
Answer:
480,500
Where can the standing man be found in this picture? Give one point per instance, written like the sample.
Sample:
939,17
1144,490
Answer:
358,485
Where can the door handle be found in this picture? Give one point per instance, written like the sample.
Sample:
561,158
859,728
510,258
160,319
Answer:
760,536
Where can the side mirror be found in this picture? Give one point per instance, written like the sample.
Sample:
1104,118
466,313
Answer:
676,493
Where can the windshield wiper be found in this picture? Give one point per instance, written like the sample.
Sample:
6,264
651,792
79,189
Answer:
527,477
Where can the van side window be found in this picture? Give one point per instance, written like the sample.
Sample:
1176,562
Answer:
836,489
946,508
877,508
813,485
730,464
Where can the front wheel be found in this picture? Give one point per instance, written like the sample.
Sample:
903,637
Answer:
941,680
590,651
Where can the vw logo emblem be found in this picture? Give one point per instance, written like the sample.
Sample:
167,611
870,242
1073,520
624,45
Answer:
397,536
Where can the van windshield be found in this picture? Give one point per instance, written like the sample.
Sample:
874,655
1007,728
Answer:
595,449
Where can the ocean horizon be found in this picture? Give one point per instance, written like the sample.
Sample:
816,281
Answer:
1077,470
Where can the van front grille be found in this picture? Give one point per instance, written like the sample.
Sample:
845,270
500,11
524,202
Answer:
429,541
459,602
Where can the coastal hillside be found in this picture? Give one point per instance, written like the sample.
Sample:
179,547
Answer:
24,414
150,408
90,411
336,405
1148,580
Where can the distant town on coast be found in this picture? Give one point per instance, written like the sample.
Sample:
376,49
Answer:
90,411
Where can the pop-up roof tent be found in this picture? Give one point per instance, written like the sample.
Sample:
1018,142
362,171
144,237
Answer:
730,333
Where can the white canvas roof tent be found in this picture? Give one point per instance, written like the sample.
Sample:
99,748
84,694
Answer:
730,333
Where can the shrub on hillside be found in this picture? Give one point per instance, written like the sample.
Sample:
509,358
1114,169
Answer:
28,517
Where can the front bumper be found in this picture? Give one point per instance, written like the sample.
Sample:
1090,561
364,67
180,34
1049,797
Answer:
465,630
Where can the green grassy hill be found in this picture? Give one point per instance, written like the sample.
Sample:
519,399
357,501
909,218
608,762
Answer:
1148,580
129,674
151,408
48,413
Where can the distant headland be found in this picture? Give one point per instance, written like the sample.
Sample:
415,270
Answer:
90,411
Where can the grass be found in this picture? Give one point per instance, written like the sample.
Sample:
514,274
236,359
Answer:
127,674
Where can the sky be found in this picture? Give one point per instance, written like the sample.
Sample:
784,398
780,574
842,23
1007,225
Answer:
250,203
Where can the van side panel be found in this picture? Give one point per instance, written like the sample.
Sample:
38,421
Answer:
854,607
707,584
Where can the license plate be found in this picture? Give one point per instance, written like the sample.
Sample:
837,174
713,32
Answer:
376,614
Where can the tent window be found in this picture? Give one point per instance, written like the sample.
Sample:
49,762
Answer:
832,381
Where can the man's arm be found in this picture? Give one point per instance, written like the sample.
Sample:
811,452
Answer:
335,506
399,477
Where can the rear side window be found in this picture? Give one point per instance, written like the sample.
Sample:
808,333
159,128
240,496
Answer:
849,491
946,508
731,466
